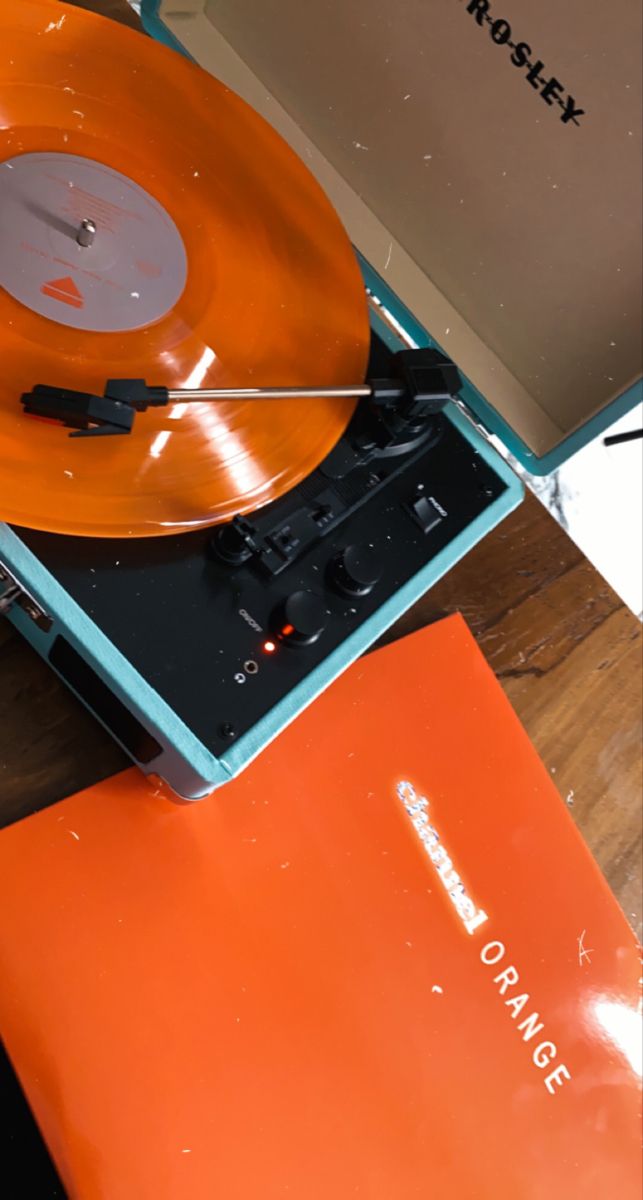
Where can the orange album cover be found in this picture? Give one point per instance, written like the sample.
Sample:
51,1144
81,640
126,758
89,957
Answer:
380,964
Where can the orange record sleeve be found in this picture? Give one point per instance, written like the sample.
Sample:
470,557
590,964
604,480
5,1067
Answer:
380,964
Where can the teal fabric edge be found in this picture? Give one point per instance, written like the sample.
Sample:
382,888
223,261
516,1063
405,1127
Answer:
583,436
251,744
157,29
112,667
485,412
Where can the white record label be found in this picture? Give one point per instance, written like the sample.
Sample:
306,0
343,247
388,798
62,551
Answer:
131,274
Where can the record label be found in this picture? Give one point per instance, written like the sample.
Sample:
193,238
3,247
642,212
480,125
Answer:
83,245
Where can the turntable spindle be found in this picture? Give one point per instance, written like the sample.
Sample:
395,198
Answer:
86,232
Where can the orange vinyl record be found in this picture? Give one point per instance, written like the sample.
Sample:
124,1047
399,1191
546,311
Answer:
217,261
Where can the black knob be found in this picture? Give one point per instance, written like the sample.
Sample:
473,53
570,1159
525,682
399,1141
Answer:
233,543
356,570
301,619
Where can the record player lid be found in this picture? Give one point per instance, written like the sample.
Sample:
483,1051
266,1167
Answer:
486,162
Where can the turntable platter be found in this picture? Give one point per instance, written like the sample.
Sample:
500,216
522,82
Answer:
152,225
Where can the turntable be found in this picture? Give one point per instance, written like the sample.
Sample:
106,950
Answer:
231,456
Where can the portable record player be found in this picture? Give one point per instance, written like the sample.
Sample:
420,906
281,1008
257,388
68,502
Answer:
198,572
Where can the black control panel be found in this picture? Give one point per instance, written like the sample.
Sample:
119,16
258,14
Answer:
224,624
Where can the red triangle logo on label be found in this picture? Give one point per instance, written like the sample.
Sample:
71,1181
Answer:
64,290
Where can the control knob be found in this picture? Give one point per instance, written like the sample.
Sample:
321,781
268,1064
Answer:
301,619
356,570
234,542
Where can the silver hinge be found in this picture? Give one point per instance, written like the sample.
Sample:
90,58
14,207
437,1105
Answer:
13,593
474,420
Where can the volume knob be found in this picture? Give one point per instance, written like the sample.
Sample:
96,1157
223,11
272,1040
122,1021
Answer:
356,570
301,619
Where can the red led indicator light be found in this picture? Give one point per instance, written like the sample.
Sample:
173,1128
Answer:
269,647
287,630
